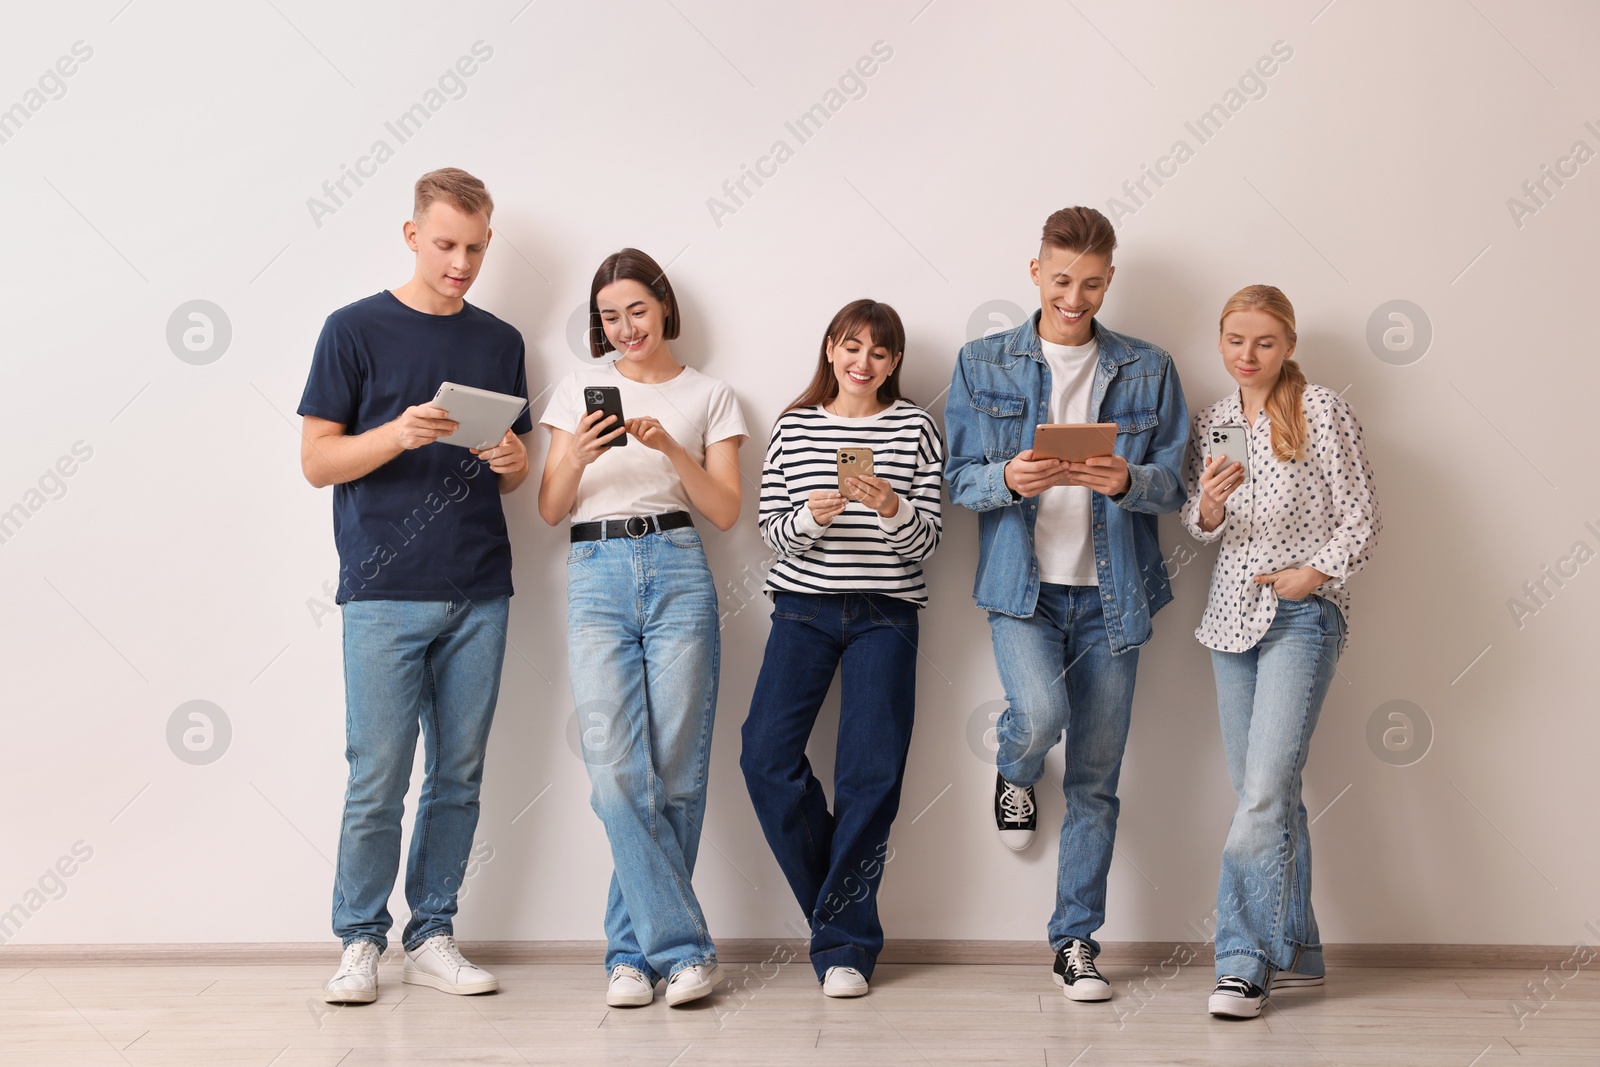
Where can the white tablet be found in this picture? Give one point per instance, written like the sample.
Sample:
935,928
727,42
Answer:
484,416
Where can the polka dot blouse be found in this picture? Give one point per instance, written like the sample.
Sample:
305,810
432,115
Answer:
1318,511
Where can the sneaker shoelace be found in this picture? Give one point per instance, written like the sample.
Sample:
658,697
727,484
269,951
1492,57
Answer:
623,970
1015,804
1236,986
452,955
356,956
1080,963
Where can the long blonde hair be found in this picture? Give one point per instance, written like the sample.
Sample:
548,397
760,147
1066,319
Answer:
1283,403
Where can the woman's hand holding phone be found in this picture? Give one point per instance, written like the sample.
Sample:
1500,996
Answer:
826,505
875,493
589,439
1217,482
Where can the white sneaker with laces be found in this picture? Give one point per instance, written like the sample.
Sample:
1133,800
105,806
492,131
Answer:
691,983
628,988
844,982
356,981
439,964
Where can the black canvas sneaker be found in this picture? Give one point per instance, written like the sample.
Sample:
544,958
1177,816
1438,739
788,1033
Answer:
1014,814
1075,973
1236,998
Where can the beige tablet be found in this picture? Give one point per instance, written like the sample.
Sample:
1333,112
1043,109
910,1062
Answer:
1074,441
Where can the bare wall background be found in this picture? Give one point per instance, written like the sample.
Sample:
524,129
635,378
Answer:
1419,178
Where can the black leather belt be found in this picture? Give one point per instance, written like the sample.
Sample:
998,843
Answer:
633,526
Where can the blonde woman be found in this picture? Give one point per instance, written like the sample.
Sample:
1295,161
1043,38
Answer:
1297,519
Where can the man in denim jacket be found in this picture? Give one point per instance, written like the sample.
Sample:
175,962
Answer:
1069,566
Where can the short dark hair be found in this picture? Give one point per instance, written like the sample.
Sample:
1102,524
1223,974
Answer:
1079,229
630,264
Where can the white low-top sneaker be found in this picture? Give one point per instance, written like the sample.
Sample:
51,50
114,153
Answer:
356,981
439,964
628,988
691,983
844,982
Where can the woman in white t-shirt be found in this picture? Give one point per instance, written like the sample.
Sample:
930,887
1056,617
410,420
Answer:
642,625
846,590
1294,527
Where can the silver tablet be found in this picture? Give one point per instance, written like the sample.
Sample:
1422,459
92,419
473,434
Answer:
484,416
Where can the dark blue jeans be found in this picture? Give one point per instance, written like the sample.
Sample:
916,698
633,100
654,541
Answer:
834,860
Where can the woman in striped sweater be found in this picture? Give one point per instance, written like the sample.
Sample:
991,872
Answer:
846,590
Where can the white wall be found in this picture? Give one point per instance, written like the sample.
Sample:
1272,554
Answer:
185,558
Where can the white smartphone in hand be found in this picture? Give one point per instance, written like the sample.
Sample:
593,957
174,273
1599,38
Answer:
1231,442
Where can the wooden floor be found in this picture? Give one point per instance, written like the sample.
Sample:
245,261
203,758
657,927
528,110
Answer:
258,1014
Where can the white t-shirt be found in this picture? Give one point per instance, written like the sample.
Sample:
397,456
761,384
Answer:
635,479
1064,529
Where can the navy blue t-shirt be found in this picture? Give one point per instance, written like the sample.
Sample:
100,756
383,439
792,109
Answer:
427,525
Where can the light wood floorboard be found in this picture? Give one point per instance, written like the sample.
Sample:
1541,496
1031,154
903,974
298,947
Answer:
256,1014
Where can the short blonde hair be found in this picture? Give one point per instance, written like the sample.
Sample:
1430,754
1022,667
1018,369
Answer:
455,187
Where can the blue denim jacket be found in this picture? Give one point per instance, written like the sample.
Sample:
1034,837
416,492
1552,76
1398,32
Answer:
1000,391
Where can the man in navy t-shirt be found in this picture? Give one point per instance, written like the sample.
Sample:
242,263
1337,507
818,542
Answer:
424,577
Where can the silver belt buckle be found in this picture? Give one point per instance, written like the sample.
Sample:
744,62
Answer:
644,526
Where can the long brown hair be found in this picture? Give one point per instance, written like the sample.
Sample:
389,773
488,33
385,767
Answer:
882,322
632,264
1283,403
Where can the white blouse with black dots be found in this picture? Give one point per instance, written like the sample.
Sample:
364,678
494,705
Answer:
1320,511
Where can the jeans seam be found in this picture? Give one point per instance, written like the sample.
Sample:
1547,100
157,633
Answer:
1286,885
430,774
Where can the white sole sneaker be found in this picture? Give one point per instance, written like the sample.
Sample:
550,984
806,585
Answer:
349,996
690,988
462,989
1289,980
1236,998
1084,990
844,982
629,989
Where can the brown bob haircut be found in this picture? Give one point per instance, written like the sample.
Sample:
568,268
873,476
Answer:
1079,229
630,264
859,318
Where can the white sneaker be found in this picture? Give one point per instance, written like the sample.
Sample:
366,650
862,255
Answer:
844,982
629,988
439,964
1290,980
691,983
356,981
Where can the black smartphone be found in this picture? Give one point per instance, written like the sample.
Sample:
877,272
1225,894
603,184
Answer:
606,398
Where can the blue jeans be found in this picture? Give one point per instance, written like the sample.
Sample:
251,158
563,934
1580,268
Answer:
643,652
1268,699
1060,675
833,860
410,664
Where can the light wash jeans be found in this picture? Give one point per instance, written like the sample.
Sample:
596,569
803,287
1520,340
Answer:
1268,699
644,651
410,664
1060,675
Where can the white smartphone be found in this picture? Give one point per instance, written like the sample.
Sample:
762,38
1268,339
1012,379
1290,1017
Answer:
1231,442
